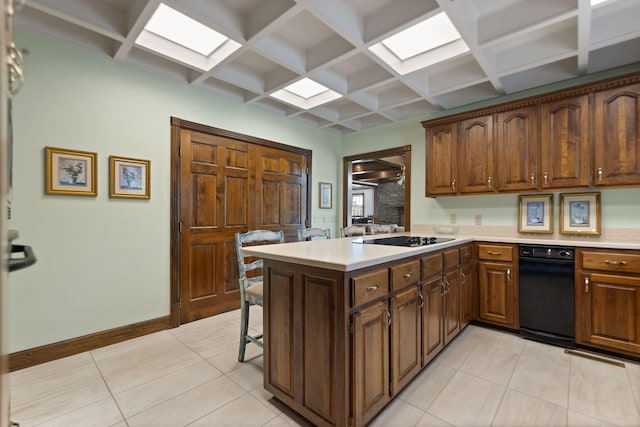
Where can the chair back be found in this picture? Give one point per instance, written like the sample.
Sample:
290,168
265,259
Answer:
382,228
314,233
353,230
255,237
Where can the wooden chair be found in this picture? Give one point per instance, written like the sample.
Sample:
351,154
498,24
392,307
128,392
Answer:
382,228
314,233
353,230
251,287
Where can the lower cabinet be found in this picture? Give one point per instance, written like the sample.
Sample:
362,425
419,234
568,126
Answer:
467,311
432,319
608,300
498,285
406,337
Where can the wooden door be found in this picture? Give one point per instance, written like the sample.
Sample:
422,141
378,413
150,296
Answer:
405,338
224,183
370,362
616,138
442,159
466,295
517,149
496,294
609,312
564,143
432,319
452,306
477,159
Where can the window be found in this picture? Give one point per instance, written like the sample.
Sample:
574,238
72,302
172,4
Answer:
357,204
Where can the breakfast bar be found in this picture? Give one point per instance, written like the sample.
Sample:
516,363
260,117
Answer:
348,324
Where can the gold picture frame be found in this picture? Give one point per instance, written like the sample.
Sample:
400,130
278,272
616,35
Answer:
70,172
580,213
325,195
536,214
129,178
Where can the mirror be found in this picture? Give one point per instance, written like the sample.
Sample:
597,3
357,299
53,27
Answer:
377,188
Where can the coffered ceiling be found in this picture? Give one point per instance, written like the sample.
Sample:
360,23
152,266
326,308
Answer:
513,45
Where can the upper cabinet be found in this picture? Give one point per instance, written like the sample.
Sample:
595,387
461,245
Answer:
616,136
517,149
564,143
583,137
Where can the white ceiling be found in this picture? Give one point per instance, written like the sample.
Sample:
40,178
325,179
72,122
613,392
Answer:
514,45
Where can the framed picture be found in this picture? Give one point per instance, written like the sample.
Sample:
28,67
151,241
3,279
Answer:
536,214
580,213
129,178
325,195
70,172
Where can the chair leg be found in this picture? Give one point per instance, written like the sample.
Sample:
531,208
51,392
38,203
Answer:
244,328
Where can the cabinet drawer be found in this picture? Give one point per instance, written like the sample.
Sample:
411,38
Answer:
466,254
611,261
451,259
405,274
495,252
369,286
432,266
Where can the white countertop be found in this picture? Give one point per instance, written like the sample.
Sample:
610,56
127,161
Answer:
343,254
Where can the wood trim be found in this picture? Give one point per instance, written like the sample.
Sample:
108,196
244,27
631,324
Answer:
46,353
538,99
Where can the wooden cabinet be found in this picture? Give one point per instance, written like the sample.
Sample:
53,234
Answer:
433,307
583,137
498,284
476,158
608,300
564,143
467,310
406,340
442,159
616,136
517,149
370,364
451,279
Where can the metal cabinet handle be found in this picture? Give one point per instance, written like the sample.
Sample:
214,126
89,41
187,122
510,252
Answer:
444,288
586,284
489,182
600,173
421,299
494,252
388,317
373,288
546,177
533,179
615,262
453,185
464,277
408,275
448,285
508,275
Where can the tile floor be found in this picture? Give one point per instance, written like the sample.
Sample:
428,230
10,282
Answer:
189,376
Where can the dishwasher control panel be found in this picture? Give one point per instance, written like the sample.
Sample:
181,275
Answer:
548,252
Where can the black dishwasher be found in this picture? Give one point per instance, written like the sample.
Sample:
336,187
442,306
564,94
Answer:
547,294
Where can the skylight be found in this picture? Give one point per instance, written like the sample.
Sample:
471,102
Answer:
182,38
426,43
306,94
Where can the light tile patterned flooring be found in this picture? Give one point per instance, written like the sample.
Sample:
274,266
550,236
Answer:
189,376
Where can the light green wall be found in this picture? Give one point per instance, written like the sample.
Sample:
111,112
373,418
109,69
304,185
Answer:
104,263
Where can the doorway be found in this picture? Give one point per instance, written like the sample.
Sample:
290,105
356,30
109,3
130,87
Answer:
377,187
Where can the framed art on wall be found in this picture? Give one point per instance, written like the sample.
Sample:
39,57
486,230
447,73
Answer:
70,172
325,195
580,213
536,214
129,178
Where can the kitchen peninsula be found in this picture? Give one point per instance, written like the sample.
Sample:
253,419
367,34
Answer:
347,325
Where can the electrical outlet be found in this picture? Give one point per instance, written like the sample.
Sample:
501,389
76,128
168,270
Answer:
453,218
477,219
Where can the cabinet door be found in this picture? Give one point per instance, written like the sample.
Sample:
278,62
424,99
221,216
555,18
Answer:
476,155
609,306
466,295
442,159
432,319
616,138
451,306
564,143
517,149
497,290
405,338
370,362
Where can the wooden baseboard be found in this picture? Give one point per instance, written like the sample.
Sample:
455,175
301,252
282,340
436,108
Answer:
46,353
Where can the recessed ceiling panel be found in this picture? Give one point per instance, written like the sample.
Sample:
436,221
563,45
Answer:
542,75
468,95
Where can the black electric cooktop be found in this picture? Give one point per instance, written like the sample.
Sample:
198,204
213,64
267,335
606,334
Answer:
410,241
